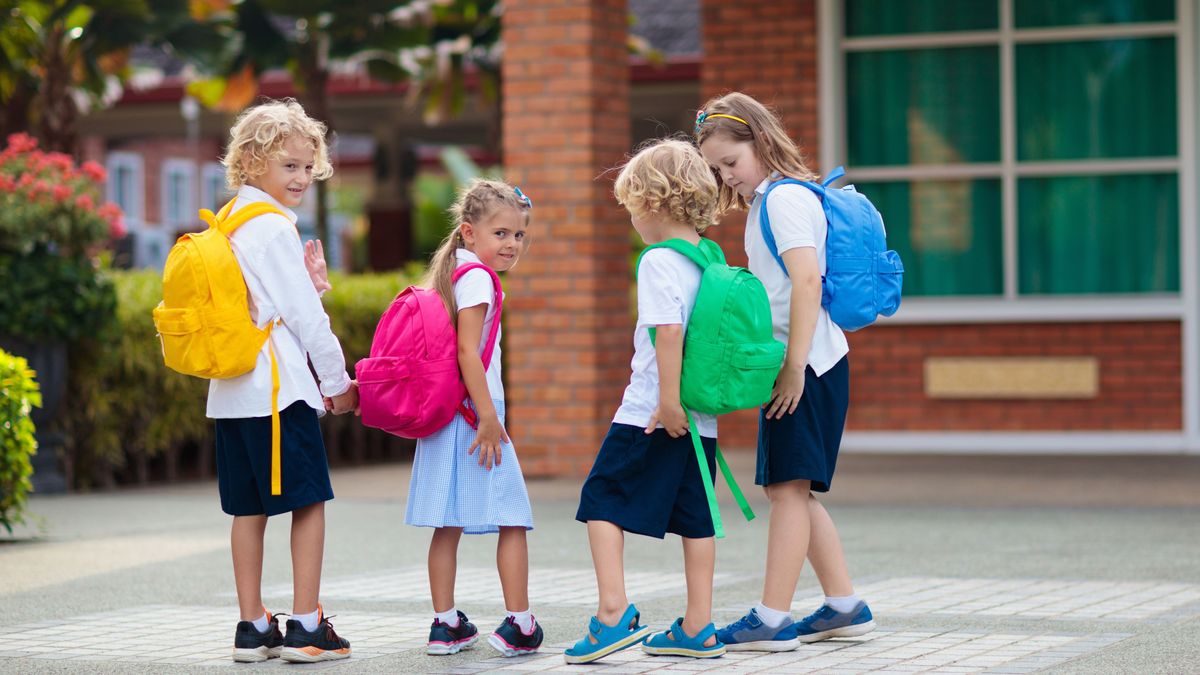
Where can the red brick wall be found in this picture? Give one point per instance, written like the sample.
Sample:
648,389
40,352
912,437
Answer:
567,330
1141,386
767,50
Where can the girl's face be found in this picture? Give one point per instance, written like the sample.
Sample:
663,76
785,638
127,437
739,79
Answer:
289,173
498,239
736,163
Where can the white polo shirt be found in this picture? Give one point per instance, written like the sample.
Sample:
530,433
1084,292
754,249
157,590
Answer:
797,221
473,289
269,251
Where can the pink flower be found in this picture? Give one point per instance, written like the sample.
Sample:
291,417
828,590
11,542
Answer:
116,222
7,184
21,142
60,161
85,202
116,228
25,181
61,192
41,186
95,171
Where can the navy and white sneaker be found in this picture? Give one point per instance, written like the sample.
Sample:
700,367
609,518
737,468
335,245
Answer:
446,640
827,623
750,634
510,640
251,646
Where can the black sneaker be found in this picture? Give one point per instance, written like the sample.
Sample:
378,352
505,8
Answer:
322,644
509,640
446,640
251,646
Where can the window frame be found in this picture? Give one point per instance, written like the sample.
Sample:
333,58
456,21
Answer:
1011,305
173,166
135,212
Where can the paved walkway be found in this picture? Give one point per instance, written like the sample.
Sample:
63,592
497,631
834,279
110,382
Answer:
994,564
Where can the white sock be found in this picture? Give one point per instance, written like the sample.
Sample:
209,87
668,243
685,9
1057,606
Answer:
261,624
843,604
771,617
310,620
524,621
448,617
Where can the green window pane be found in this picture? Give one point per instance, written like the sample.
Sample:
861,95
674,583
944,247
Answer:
891,17
923,106
1097,99
946,232
1038,13
1098,234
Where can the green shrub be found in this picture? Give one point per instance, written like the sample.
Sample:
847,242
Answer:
18,394
127,410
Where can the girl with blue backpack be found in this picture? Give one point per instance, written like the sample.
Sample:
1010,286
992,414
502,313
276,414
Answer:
466,477
800,428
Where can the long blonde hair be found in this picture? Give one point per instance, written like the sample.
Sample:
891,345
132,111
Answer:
759,126
476,203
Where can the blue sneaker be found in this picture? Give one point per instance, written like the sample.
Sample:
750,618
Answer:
446,640
510,640
827,623
750,634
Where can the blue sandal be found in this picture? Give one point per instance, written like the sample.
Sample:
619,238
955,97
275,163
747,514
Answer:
626,633
675,642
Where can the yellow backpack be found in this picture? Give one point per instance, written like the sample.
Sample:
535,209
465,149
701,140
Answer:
204,319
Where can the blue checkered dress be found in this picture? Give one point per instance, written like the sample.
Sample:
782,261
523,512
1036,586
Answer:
450,489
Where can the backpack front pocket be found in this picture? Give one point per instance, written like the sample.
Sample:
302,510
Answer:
186,347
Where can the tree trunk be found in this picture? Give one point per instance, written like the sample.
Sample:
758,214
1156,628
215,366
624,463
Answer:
58,113
314,83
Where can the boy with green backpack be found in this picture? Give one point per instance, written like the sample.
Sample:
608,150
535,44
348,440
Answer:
702,346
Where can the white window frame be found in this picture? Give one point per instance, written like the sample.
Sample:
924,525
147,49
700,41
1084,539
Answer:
209,199
1010,305
171,167
135,212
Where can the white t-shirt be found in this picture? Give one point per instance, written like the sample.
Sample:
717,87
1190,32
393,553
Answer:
797,221
666,289
471,290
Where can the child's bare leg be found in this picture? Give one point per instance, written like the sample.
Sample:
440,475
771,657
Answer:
512,561
246,543
443,566
787,542
608,556
308,551
825,552
699,558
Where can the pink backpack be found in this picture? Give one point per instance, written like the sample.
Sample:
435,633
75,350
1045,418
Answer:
410,385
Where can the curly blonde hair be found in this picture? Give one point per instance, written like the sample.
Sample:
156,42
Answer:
258,136
669,177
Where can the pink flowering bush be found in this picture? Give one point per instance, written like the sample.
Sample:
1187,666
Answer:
46,200
53,225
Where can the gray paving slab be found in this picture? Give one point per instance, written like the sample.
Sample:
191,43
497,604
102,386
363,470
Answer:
1095,568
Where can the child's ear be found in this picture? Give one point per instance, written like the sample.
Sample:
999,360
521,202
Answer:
467,232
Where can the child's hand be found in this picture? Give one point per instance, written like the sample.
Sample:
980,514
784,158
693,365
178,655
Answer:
789,387
488,439
672,417
345,401
314,262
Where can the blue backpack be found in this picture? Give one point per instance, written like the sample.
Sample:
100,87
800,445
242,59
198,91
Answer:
862,277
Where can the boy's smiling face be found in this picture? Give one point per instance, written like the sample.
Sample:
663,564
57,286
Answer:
289,173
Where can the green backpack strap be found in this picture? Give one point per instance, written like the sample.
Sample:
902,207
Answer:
702,255
710,485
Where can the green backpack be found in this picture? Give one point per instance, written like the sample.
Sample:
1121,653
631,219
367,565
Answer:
730,355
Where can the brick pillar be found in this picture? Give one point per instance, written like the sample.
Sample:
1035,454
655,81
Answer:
568,322
767,50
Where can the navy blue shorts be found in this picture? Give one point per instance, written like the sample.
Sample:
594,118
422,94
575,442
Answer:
649,484
244,463
804,445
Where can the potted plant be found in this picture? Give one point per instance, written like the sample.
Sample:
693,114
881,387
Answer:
18,395
53,227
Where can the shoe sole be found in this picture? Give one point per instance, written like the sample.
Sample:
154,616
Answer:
617,646
256,655
313,654
845,631
683,651
504,648
764,646
440,649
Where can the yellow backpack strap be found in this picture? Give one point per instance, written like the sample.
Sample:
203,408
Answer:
235,220
276,462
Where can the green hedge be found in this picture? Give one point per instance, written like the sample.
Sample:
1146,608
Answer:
130,419
18,395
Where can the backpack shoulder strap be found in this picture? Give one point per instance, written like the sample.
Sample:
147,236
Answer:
232,221
498,301
687,249
764,219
